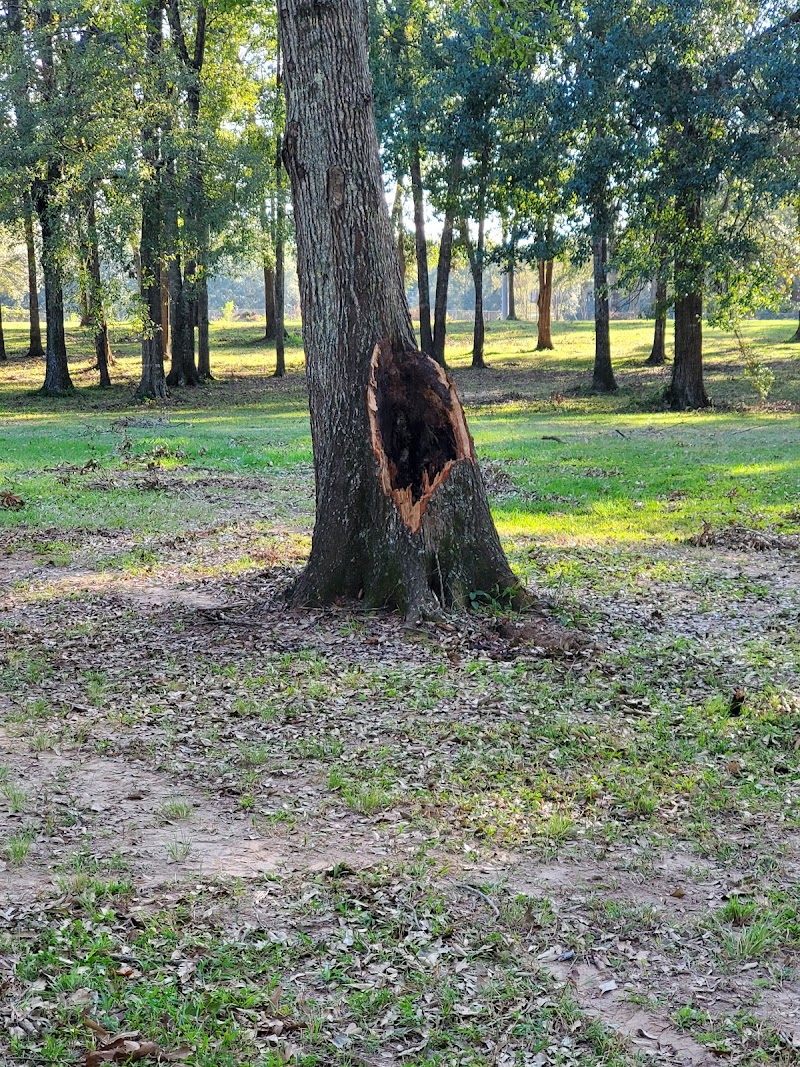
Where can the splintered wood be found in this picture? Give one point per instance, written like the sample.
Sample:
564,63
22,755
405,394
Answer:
417,428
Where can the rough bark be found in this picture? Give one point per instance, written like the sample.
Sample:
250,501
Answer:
402,513
269,302
152,385
446,258
687,388
423,276
35,348
603,380
658,353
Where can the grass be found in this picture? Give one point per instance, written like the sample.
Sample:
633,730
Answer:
436,759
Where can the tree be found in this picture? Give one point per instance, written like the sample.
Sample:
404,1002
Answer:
35,348
402,513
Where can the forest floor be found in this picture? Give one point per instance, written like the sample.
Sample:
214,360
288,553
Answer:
234,834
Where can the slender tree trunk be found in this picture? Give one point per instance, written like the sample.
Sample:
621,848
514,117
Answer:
795,338
603,380
280,249
3,355
423,279
399,228
203,340
166,338
475,256
687,388
446,259
544,302
402,514
269,302
83,296
512,293
57,380
152,385
658,354
35,349
94,293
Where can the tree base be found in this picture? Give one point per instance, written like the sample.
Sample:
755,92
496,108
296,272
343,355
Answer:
655,359
416,533
687,399
34,353
603,385
544,347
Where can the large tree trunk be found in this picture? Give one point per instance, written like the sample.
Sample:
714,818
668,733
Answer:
603,380
658,353
402,513
152,385
423,277
446,259
56,377
687,389
35,349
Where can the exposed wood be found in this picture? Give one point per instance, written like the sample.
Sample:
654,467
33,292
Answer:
426,548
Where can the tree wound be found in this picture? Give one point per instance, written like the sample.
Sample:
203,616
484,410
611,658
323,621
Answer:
417,427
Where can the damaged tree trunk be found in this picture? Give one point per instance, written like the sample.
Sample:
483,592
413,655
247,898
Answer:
402,513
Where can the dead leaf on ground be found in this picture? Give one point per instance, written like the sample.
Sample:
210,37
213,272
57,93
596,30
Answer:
130,1048
11,501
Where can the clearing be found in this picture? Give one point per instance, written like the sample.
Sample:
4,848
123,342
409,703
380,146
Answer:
233,834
